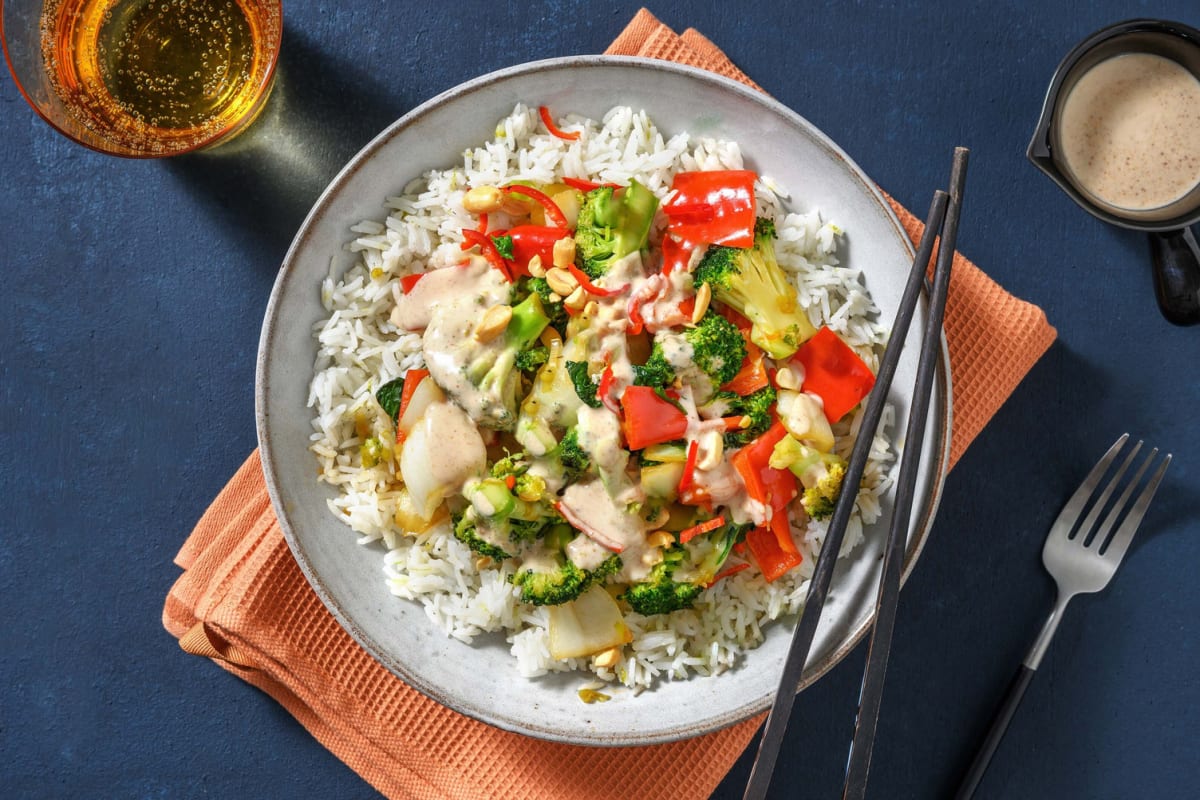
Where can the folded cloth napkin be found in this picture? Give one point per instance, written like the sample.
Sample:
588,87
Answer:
243,602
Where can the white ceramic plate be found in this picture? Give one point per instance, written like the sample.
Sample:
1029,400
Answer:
481,680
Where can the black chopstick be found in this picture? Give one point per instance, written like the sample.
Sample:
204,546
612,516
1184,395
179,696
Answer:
818,590
859,765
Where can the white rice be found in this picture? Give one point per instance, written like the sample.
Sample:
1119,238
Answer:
359,350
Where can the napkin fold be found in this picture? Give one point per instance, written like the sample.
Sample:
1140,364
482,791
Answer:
243,602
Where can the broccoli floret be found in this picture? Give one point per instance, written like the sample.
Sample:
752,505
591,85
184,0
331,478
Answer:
533,358
657,372
562,584
821,474
553,309
660,593
752,283
609,228
757,407
574,458
494,370
466,531
717,347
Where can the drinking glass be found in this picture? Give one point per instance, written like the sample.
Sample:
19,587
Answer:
143,78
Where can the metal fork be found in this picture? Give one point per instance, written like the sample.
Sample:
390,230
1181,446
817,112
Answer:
1081,557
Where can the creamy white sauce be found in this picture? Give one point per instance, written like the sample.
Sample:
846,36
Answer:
457,452
1130,131
449,303
605,518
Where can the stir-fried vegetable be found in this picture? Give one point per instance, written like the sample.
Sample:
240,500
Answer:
632,424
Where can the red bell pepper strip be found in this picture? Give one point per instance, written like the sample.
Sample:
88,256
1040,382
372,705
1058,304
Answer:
590,287
774,488
648,419
834,372
687,534
676,254
733,423
409,281
753,374
733,569
548,121
533,240
689,468
553,212
713,207
412,379
488,248
773,559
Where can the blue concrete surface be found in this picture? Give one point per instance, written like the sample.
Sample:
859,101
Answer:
133,294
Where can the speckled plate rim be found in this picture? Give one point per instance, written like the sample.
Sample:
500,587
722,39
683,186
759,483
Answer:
939,433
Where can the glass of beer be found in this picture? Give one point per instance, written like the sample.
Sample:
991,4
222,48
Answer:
143,78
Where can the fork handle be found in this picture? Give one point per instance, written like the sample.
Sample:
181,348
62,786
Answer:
1012,699
1004,715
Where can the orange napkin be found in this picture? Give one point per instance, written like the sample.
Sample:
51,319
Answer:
243,602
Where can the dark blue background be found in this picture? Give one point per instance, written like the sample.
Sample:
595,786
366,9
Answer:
133,294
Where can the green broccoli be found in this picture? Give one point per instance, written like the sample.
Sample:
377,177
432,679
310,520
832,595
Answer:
752,283
466,531
821,474
494,369
758,407
533,358
574,459
608,228
656,372
553,309
660,593
566,581
717,347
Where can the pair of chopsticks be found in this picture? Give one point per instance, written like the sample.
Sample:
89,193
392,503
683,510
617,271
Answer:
943,218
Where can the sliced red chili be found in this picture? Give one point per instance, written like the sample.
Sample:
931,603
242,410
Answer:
588,186
553,212
548,121
605,387
687,534
488,248
590,287
689,469
510,481
728,571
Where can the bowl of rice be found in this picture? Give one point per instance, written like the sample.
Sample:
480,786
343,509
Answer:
422,602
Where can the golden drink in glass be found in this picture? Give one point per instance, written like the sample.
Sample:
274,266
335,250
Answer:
149,78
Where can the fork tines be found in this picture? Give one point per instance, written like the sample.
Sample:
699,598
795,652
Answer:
1101,536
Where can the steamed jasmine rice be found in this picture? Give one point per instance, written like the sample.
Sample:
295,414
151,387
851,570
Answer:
360,350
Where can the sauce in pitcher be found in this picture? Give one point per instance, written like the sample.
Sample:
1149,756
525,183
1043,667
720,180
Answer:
1130,131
